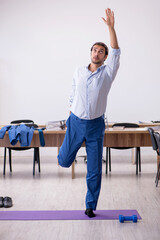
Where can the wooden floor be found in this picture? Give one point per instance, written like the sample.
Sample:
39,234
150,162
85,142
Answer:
54,189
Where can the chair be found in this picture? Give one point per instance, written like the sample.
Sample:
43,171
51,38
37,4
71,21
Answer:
36,157
108,149
155,139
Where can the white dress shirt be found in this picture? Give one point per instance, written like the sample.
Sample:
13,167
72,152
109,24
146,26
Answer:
88,99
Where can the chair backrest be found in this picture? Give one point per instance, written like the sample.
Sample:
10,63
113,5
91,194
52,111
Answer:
27,122
22,121
157,137
126,125
153,139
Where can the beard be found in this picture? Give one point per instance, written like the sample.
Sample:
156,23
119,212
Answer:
97,61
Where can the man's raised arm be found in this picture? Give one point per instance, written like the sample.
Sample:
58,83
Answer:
109,21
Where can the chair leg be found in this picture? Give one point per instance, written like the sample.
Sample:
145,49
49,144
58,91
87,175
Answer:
139,157
10,159
156,178
136,161
157,175
110,159
38,159
106,160
4,166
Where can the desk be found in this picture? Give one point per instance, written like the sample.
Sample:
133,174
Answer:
129,137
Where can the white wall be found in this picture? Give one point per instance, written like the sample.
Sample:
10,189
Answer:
42,41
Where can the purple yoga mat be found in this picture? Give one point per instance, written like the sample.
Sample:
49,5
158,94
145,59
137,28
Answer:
65,215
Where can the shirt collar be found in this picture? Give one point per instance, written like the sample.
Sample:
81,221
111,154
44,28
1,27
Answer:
98,69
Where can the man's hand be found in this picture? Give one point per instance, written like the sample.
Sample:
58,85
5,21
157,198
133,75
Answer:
109,21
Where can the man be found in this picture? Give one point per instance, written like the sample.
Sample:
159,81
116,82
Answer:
88,101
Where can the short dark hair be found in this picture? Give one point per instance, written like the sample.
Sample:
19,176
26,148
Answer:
101,44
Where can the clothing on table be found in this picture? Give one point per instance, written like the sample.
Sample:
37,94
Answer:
90,90
3,131
21,133
92,133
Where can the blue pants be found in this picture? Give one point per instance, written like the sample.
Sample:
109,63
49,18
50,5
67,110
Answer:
92,133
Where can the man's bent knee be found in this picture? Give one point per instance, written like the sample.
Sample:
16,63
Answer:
64,162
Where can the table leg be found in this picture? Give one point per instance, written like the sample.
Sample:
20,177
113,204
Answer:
73,172
133,156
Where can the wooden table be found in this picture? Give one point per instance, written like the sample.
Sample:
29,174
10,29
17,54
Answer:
129,137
